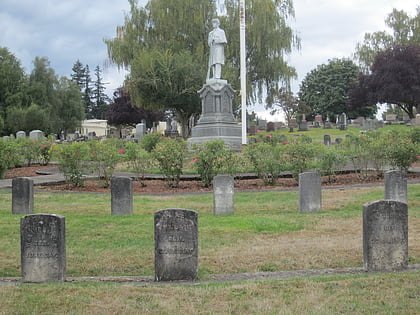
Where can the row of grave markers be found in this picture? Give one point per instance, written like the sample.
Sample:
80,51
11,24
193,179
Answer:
310,193
385,233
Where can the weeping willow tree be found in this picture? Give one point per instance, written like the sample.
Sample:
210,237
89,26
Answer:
164,47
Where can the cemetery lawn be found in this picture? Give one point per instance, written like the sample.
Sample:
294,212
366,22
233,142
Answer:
265,234
390,293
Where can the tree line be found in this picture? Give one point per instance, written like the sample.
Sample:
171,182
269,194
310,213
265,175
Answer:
45,101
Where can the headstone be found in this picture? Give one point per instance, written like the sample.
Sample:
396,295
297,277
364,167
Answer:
327,124
140,131
20,134
6,138
36,135
391,117
342,121
385,235
262,124
22,195
252,130
417,120
327,140
43,248
121,196
303,125
270,126
368,124
292,123
338,140
309,192
396,186
223,194
176,244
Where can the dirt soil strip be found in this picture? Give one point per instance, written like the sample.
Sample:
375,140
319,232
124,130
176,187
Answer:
258,276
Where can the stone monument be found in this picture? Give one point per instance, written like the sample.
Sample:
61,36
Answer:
43,248
176,244
216,120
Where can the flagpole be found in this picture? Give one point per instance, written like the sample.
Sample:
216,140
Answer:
243,68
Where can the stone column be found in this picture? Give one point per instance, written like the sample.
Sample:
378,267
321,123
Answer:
385,235
43,248
121,196
223,194
22,195
309,192
176,244
396,186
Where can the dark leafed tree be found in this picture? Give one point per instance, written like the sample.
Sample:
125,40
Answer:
78,75
121,111
325,89
405,30
394,79
87,93
99,98
171,33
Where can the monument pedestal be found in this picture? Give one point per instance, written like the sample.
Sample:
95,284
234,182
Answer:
217,120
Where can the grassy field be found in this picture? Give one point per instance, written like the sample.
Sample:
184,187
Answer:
266,233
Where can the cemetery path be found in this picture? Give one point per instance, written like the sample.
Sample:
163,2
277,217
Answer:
257,276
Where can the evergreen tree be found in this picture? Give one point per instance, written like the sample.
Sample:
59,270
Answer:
87,94
100,99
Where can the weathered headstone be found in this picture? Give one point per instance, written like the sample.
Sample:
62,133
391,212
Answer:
309,192
338,140
176,244
20,134
396,186
271,126
6,138
327,124
223,194
327,140
417,120
140,131
43,248
391,117
385,235
22,195
36,135
121,196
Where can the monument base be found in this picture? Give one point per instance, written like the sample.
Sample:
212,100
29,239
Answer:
217,120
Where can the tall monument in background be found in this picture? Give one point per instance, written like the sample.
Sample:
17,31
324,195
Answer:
216,120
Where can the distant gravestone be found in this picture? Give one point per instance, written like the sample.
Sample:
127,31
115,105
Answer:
309,192
271,126
417,120
338,140
43,248
396,186
252,130
140,131
20,135
391,117
223,194
121,196
176,244
36,135
327,124
342,122
6,138
385,235
327,140
22,195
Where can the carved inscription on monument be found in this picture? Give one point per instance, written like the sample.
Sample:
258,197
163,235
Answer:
43,253
385,235
176,244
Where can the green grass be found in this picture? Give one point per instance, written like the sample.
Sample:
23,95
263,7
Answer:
360,294
99,244
266,233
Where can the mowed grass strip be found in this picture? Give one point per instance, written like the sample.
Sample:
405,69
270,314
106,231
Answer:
391,293
266,233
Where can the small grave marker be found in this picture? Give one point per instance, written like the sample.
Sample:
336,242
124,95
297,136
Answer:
223,194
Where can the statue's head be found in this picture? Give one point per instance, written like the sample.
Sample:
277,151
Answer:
215,22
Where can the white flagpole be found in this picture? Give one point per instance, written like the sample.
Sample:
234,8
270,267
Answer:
243,68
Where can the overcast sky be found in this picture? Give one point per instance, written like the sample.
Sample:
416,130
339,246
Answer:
64,31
